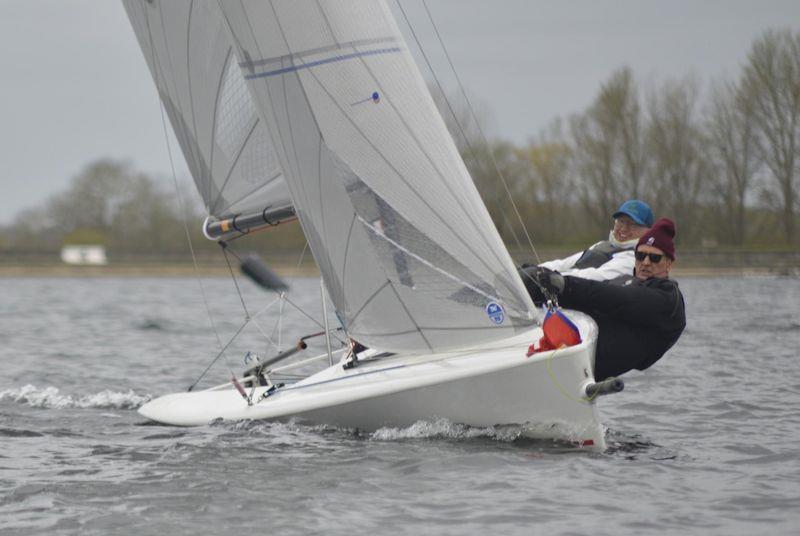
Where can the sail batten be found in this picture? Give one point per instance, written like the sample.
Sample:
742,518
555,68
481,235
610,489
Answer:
316,63
251,64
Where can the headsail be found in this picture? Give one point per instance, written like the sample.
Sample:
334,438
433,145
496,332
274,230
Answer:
226,145
406,246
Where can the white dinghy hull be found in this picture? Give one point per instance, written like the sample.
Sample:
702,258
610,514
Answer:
483,386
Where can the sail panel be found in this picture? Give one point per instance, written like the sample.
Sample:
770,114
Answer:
406,247
226,146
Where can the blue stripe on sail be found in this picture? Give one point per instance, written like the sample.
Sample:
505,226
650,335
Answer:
334,59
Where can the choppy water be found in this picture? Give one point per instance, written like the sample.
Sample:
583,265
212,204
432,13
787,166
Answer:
706,442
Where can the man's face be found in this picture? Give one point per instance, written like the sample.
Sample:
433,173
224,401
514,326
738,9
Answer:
626,229
646,268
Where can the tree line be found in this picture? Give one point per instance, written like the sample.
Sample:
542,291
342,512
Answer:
112,204
722,161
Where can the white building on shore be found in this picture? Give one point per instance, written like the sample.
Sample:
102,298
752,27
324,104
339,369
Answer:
93,255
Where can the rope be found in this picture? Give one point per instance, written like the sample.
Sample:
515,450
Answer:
548,365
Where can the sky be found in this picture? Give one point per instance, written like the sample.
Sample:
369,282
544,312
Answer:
75,88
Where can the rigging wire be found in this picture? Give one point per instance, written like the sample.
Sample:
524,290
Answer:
181,203
302,255
333,332
284,298
471,110
220,354
473,152
224,247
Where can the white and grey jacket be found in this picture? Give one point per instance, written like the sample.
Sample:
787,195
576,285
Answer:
605,260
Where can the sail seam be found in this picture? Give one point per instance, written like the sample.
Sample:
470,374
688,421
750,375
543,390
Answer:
328,24
166,80
346,254
368,300
234,163
413,320
251,192
316,63
250,64
322,212
214,119
427,263
189,77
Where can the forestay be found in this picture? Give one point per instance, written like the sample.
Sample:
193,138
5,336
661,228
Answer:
226,146
406,247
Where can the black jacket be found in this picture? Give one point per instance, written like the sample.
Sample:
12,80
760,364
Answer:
638,320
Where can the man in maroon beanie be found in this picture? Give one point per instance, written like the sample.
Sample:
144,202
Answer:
640,316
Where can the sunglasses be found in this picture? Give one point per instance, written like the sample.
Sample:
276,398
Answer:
655,258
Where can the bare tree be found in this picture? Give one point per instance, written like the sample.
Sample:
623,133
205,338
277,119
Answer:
734,145
609,147
550,158
494,168
676,146
109,200
772,77
466,125
91,200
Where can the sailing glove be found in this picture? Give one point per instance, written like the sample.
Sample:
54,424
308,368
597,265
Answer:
539,280
550,280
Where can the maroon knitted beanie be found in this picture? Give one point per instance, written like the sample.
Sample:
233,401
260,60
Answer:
660,236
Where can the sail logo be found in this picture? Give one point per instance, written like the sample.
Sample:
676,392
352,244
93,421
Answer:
495,312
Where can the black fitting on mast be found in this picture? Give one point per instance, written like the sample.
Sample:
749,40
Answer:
240,224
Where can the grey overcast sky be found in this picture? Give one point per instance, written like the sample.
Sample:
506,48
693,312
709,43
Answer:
75,88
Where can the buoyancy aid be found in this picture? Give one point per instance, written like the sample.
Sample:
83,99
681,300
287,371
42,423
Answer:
598,255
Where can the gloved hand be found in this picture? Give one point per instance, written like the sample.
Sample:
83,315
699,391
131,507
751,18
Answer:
537,278
550,280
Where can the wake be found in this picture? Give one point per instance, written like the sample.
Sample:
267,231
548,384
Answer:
51,398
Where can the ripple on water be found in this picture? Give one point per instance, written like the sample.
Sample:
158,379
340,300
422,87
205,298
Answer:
703,442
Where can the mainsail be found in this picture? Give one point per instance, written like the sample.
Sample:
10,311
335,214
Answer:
407,250
226,145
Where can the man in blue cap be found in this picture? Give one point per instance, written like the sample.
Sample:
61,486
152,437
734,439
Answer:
610,258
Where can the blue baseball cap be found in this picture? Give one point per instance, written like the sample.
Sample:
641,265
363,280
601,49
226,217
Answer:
638,211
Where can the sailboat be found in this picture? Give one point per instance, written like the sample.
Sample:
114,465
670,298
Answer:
315,110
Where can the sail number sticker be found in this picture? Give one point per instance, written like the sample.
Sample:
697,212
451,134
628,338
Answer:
495,312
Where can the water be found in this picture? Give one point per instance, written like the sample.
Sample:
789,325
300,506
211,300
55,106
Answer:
707,441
